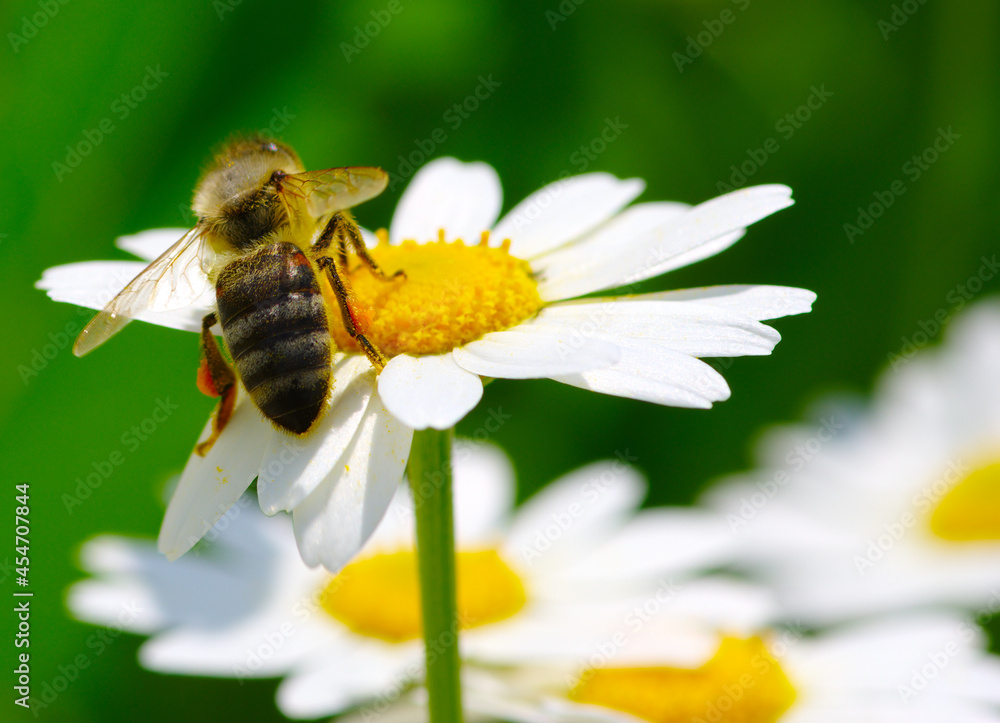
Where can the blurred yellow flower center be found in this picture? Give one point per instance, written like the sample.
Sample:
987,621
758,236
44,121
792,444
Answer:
452,294
380,596
742,683
971,509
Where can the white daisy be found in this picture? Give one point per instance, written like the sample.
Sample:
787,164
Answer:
915,669
894,507
466,312
533,586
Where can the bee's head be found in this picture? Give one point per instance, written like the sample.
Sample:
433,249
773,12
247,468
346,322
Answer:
236,197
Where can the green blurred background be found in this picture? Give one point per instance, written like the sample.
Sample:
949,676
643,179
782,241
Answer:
564,69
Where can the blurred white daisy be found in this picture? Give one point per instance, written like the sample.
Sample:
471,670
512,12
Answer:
495,307
894,507
918,668
534,585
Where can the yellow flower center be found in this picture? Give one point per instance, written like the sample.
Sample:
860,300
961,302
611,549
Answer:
971,509
742,683
452,294
380,596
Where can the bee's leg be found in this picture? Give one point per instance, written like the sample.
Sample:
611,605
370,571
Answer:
329,265
215,379
342,230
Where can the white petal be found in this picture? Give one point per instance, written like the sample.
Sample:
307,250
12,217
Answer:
143,591
484,492
547,634
574,513
980,680
708,222
698,253
210,485
428,391
655,374
689,327
563,210
130,605
397,529
412,708
231,651
650,239
294,466
533,351
88,283
717,602
360,674
483,497
586,262
659,541
758,302
462,198
333,522
885,651
147,245
94,283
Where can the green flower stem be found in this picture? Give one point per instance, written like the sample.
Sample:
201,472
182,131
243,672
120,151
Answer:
430,479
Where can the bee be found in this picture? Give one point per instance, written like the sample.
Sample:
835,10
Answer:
273,238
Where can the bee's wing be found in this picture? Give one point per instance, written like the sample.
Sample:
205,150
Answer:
174,280
320,193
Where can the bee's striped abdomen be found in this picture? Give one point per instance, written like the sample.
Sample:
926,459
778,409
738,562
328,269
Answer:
274,322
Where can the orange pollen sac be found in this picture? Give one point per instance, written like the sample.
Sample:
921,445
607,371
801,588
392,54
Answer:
205,383
452,294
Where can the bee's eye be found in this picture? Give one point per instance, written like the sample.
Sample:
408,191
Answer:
270,147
